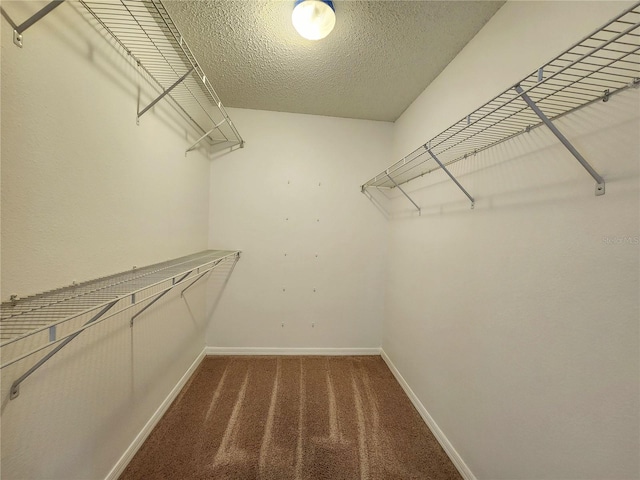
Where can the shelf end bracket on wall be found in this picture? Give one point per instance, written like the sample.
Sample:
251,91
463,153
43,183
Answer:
36,17
446,170
599,180
14,391
403,192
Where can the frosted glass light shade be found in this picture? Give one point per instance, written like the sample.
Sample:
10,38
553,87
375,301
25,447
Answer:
313,19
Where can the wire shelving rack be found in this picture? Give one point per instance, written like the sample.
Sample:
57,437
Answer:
600,65
50,320
145,31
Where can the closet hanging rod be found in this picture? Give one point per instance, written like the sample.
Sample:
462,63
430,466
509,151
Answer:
602,64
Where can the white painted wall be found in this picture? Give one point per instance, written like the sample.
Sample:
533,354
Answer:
85,193
516,324
293,193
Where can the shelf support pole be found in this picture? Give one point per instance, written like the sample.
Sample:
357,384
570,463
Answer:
446,170
160,296
166,92
15,386
404,193
599,180
36,17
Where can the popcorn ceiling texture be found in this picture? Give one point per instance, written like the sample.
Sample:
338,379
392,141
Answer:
378,59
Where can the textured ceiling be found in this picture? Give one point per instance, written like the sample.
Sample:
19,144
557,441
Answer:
378,59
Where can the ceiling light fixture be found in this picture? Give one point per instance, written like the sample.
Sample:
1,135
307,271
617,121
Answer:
313,19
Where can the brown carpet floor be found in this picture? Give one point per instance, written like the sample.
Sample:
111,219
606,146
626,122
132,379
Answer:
303,418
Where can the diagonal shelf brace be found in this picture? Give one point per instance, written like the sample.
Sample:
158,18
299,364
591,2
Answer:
215,127
237,255
599,180
166,92
15,386
197,278
405,194
35,18
446,170
174,283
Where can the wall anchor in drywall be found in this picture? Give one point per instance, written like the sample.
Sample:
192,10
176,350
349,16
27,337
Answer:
19,29
600,186
446,170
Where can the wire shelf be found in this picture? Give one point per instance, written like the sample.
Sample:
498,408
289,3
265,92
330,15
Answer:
144,29
38,322
597,67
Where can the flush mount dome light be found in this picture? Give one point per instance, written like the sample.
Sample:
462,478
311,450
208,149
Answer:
313,19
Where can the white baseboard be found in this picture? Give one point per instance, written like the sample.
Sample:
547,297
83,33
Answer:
126,457
433,426
290,351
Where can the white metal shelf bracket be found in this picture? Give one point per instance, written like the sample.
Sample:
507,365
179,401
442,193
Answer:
446,170
166,92
405,194
215,127
159,296
35,18
15,386
600,187
200,275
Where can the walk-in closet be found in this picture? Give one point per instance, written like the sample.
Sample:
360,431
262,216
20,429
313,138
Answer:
314,239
